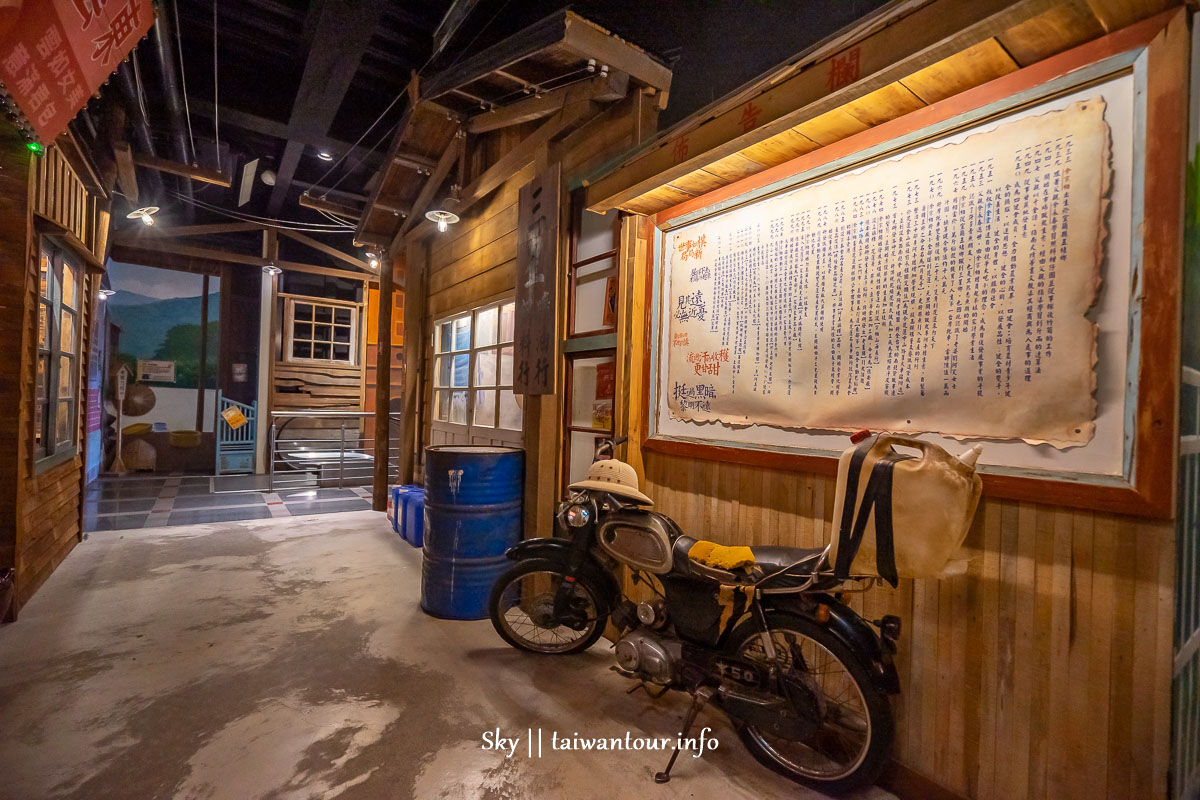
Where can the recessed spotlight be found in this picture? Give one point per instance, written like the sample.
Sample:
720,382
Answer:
325,155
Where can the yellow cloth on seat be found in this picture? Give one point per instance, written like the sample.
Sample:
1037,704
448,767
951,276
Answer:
720,556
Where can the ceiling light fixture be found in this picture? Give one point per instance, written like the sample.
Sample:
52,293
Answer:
325,155
372,259
145,214
106,293
443,213
271,269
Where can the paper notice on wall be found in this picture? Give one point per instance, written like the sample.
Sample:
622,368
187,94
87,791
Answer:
944,291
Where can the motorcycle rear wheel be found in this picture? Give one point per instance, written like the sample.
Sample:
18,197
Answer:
520,607
854,740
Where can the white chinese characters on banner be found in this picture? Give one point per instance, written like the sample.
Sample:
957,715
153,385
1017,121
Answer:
944,291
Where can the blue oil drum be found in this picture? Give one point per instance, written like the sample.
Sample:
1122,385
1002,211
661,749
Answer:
473,498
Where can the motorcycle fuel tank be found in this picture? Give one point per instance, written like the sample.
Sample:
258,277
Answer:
641,539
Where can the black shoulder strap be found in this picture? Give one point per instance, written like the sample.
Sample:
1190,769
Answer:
878,497
847,546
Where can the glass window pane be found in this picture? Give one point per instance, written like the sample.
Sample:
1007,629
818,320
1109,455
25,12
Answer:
444,338
44,276
65,374
592,387
66,338
485,326
43,369
597,234
320,350
441,410
485,368
301,350
341,316
341,352
462,333
341,333
39,413
458,408
63,422
595,297
302,330
462,369
303,311
507,316
511,414
322,333
322,313
70,296
506,366
485,408
442,372
43,333
583,453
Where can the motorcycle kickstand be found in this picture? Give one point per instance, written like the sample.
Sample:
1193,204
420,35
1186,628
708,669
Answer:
653,696
703,695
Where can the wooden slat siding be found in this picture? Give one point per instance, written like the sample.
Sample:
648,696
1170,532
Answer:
328,387
1049,647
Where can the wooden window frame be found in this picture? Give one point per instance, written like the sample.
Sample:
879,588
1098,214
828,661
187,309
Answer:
49,451
568,404
289,311
470,428
574,263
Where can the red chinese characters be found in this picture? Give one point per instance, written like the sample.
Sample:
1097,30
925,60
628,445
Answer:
57,52
708,362
844,69
679,340
691,248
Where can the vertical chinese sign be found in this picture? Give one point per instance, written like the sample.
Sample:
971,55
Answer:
57,53
537,275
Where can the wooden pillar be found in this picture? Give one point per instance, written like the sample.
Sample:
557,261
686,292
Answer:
414,351
383,380
203,354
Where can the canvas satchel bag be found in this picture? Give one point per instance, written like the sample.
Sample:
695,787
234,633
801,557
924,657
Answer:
900,516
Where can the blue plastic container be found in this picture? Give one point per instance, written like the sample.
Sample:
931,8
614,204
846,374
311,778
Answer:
413,528
473,498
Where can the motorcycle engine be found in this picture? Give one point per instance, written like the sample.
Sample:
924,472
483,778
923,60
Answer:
646,655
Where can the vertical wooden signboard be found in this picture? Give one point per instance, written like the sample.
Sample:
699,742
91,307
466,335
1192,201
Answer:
537,273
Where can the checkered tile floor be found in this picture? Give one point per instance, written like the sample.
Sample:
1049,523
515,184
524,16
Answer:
154,501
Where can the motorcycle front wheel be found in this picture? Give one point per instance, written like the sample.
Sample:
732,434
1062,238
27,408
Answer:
521,607
853,739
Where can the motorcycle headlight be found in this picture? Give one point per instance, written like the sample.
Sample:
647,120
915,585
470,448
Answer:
578,516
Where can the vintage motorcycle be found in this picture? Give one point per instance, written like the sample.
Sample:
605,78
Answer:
761,632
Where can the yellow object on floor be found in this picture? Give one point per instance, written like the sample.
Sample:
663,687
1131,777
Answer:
720,556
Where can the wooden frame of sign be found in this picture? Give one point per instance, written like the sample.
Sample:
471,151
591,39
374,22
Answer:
1155,52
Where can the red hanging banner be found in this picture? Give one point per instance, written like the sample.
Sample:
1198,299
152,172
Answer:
54,54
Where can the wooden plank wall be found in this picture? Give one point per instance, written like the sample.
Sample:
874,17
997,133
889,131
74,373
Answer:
1044,672
475,261
42,523
324,387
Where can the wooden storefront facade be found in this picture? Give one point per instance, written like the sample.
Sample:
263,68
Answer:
46,204
1045,670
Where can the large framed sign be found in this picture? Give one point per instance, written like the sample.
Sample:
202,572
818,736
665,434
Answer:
977,271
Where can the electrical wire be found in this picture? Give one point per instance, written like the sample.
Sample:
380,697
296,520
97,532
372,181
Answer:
384,136
141,95
216,96
183,79
270,222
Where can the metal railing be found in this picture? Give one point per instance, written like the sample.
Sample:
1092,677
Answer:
326,449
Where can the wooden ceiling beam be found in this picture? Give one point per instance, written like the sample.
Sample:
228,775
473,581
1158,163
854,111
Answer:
322,203
321,247
213,176
126,171
588,40
343,33
454,152
206,229
604,89
880,56
126,246
452,20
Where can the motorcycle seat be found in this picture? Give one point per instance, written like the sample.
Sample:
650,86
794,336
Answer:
768,559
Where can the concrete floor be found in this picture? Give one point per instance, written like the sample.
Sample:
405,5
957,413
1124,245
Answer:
286,658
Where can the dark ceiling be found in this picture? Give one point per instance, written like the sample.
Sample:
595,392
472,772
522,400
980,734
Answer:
295,79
